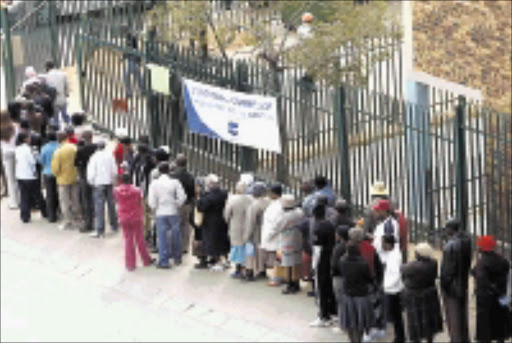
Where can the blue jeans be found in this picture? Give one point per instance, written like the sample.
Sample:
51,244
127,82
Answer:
63,109
102,193
132,69
169,229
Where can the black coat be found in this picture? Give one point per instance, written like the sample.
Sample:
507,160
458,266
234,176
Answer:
83,154
421,299
455,265
187,181
337,253
324,235
356,275
493,321
214,228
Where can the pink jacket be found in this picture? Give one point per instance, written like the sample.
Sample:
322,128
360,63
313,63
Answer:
129,205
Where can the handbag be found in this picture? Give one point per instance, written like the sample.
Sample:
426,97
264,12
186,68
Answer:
198,217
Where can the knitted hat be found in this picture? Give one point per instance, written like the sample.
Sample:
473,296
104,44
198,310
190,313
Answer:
382,205
259,189
288,201
486,243
424,249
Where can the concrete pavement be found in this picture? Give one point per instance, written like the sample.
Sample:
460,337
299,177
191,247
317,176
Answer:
66,286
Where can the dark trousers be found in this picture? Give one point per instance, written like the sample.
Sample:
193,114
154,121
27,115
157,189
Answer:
87,202
326,298
30,192
457,317
52,197
394,310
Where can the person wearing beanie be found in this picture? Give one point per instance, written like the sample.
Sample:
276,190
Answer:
130,213
368,253
214,227
235,214
421,298
493,318
324,234
356,313
269,242
290,242
455,267
387,224
252,233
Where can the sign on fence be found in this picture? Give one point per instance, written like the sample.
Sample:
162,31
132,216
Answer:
239,118
159,78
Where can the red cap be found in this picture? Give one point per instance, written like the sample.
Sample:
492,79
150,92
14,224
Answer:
382,205
486,243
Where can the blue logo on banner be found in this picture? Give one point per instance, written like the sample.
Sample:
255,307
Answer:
233,128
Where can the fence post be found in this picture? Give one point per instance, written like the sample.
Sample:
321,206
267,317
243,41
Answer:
152,100
52,21
248,155
343,145
8,62
460,162
79,67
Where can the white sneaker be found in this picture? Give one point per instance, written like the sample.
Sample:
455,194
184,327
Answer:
320,323
217,268
336,329
367,338
96,235
62,227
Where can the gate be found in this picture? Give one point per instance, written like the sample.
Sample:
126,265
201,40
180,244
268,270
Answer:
445,159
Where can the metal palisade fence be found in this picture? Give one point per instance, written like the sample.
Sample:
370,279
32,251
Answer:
451,158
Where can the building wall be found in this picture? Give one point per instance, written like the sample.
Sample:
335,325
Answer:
467,42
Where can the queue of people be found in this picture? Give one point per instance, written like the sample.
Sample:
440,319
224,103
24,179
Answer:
359,270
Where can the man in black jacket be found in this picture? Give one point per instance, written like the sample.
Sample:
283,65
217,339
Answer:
455,268
83,154
188,183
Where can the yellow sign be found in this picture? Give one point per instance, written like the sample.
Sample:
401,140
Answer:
159,78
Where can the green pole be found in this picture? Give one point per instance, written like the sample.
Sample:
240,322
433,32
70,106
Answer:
79,67
10,87
52,14
343,145
460,153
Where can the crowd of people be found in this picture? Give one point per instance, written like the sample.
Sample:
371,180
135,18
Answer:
359,269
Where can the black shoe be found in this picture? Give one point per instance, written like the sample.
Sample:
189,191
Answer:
200,266
85,230
261,275
159,266
311,294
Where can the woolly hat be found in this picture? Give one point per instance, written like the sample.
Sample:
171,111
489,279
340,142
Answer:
211,179
288,201
424,249
259,189
30,72
382,205
486,243
247,178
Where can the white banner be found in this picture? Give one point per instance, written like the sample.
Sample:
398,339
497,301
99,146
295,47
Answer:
238,118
